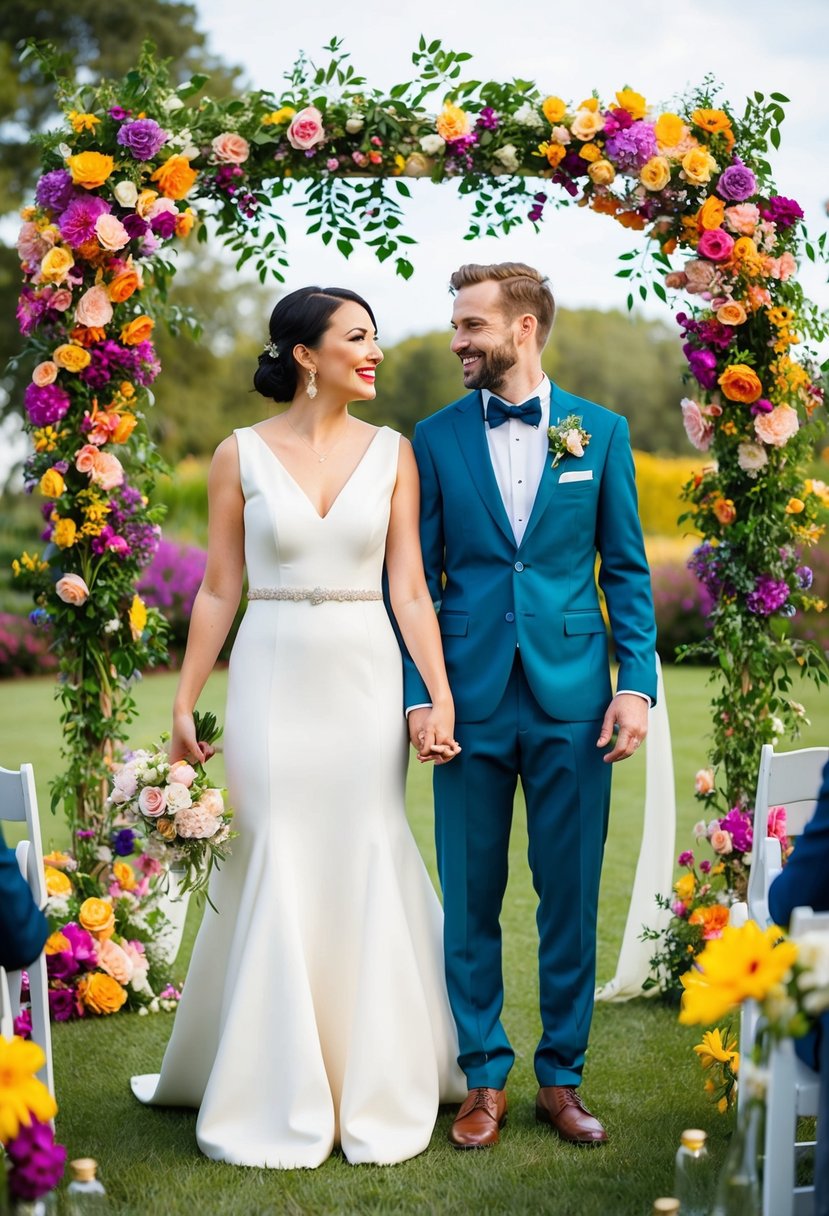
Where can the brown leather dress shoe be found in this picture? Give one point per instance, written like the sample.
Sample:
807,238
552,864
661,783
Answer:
563,1109
480,1118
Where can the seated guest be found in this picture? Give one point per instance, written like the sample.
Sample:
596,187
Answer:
23,927
805,883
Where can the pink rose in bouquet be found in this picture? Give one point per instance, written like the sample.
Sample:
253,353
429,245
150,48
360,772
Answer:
231,149
152,801
306,129
721,842
72,589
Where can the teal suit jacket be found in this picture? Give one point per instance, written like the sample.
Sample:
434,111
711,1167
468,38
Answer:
494,594
23,927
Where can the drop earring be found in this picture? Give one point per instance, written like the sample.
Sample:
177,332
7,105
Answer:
311,384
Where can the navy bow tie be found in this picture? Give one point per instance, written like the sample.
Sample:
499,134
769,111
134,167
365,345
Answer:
498,411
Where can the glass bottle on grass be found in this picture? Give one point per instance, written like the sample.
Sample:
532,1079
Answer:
738,1188
85,1194
666,1207
692,1178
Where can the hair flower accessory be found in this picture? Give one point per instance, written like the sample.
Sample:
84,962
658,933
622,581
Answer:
568,438
271,349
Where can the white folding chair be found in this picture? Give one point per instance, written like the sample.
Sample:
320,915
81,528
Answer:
6,1010
792,1094
18,804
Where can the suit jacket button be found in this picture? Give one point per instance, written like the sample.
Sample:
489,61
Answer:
519,566
510,616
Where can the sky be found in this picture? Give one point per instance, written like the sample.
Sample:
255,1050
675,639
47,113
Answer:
658,48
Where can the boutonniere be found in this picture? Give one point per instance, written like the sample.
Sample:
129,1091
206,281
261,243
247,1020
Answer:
569,438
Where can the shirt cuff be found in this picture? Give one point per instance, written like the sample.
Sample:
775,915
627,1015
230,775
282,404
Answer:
631,692
425,705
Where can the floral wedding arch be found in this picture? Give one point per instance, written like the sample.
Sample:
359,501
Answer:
139,167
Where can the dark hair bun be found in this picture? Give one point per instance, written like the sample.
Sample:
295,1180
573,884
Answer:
275,378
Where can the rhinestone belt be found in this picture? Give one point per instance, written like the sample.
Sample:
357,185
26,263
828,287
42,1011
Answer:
316,595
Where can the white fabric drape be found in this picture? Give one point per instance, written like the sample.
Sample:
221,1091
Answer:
654,870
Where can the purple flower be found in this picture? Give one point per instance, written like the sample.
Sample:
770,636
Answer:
737,183
135,225
739,825
703,365
77,224
23,1024
36,1161
632,148
108,540
678,908
617,120
686,858
487,119
62,966
164,224
119,113
45,404
55,190
782,211
61,1004
31,309
123,842
768,595
804,577
83,947
705,866
143,137
761,406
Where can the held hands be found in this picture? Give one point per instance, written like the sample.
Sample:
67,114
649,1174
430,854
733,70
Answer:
183,744
629,714
431,731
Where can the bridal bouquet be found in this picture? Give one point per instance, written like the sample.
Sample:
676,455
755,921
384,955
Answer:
185,820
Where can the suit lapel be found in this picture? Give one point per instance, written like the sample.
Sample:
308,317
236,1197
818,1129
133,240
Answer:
550,476
469,428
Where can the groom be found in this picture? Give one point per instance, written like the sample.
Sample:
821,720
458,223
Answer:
512,522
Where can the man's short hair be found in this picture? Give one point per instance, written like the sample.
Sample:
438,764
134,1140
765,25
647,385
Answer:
523,290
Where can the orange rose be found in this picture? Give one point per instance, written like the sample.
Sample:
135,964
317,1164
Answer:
175,177
123,286
97,917
126,425
56,943
100,993
631,219
137,330
725,510
90,169
713,920
555,154
452,122
56,881
732,313
740,382
184,222
711,214
124,875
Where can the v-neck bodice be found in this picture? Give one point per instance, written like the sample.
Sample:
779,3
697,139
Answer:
289,544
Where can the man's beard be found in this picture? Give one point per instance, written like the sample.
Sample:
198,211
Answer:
494,366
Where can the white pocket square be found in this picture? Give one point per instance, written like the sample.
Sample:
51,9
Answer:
577,475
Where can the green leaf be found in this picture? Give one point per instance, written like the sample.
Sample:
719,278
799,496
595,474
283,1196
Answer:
778,97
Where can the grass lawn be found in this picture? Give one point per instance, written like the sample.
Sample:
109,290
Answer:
641,1078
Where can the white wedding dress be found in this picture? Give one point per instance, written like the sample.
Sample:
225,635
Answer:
315,1011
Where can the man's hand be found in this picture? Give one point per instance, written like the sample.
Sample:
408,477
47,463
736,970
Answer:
629,714
428,737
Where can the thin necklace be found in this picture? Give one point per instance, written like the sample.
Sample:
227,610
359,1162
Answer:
322,459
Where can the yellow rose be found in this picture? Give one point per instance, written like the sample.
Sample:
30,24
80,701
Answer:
100,993
144,202
655,174
601,173
554,110
587,123
56,881
65,533
698,165
97,917
633,102
72,358
56,265
685,886
56,943
137,330
51,484
591,153
732,313
124,875
452,122
137,617
175,177
739,382
794,506
277,117
669,130
589,103
711,214
90,169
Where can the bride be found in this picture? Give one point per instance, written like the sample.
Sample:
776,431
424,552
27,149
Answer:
315,1010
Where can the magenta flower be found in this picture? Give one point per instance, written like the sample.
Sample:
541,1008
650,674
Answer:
784,212
739,826
737,183
77,224
630,149
703,365
83,946
45,404
23,1024
61,1004
686,858
768,596
62,966
36,1162
705,866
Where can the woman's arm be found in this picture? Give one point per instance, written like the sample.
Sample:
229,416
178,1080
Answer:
217,600
413,607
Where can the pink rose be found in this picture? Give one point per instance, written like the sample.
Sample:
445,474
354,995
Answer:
777,824
72,590
778,427
137,956
716,245
126,781
94,308
110,232
85,458
115,961
183,773
721,842
45,373
742,218
572,441
31,247
704,782
700,277
60,299
108,471
152,801
161,205
306,129
213,802
782,268
232,149
699,432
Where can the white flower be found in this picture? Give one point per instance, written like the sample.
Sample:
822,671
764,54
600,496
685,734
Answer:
178,797
126,193
778,726
354,123
528,116
104,853
751,457
64,150
813,955
508,157
573,443
113,625
172,104
700,830
561,135
143,1011
432,144
57,907
753,1079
